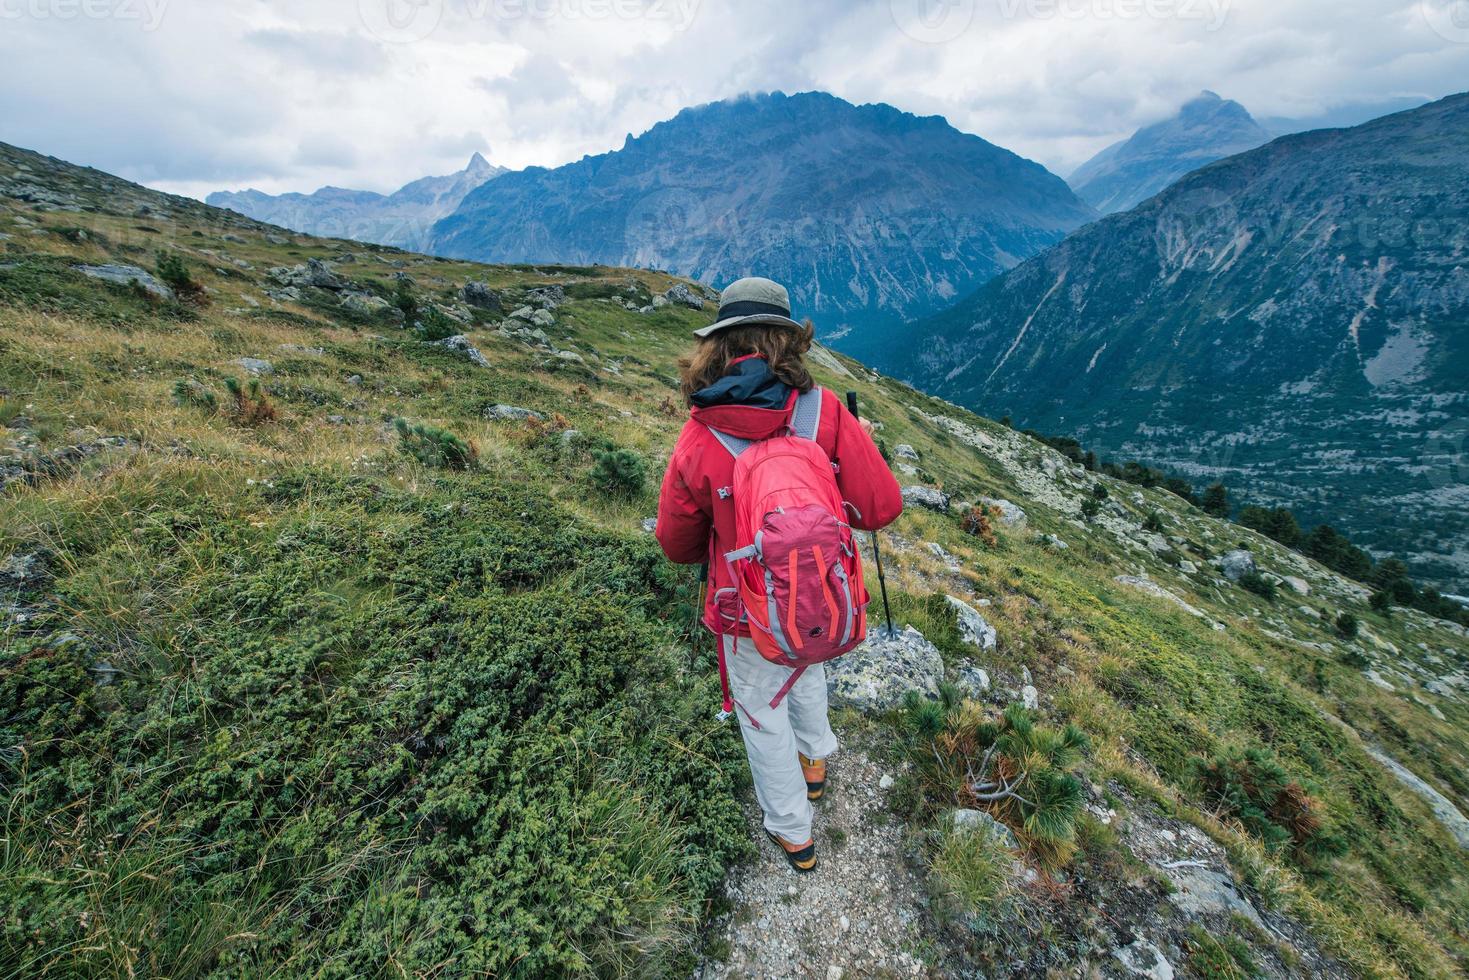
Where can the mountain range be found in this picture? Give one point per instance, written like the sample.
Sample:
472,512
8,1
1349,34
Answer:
328,640
1294,320
1127,173
402,218
870,215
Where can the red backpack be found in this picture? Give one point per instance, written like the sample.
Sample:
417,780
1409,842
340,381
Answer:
798,578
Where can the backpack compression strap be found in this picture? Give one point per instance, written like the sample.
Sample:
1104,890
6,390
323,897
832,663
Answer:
805,421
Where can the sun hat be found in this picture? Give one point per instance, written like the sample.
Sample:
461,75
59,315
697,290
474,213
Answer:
751,300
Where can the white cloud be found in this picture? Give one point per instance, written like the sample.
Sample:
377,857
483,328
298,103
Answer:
287,95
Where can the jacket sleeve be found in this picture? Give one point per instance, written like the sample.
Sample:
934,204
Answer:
863,475
683,527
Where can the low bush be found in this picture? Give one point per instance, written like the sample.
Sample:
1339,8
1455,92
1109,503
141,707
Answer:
174,272
1250,785
1017,769
1258,584
620,472
1219,957
978,523
188,393
386,727
435,447
1346,625
432,324
249,405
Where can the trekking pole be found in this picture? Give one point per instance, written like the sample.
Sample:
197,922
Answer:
882,584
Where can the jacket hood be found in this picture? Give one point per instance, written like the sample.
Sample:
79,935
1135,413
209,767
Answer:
749,402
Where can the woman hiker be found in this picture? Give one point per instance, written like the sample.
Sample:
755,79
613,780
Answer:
742,380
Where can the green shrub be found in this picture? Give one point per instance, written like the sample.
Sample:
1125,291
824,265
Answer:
1346,625
1091,507
1381,602
188,393
1153,522
1252,786
432,324
1013,767
392,732
174,272
971,870
435,447
1219,957
1258,584
249,405
620,472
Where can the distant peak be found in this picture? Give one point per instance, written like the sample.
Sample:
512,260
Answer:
1207,96
478,162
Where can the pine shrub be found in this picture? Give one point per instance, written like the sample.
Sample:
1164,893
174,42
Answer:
620,472
1346,625
188,393
249,404
1016,768
433,324
1250,785
978,523
1258,584
434,447
174,272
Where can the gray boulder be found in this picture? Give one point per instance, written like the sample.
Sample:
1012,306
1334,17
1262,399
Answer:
973,628
904,451
935,500
460,345
542,318
973,681
546,297
1142,959
255,366
680,293
878,674
365,303
480,295
1010,514
314,273
980,822
124,275
1236,564
511,413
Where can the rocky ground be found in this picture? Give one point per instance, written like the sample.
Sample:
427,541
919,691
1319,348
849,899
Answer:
859,914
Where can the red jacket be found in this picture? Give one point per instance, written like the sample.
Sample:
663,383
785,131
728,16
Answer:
696,524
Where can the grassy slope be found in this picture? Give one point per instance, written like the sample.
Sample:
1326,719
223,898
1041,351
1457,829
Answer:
356,713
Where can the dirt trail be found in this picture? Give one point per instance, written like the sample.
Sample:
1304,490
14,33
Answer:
858,915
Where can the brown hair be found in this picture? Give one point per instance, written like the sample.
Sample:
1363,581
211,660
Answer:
781,346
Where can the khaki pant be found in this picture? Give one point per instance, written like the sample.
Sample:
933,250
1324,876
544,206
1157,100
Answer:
772,739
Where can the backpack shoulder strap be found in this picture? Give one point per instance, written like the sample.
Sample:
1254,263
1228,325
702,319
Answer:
734,444
806,417
805,421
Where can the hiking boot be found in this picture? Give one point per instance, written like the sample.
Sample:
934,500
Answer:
802,857
815,772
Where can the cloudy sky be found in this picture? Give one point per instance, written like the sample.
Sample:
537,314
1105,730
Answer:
200,95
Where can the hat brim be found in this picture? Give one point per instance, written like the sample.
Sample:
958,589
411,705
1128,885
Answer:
741,321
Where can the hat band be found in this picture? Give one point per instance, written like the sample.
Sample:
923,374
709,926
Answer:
751,307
